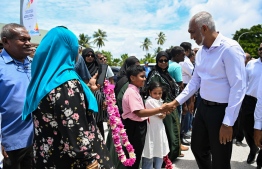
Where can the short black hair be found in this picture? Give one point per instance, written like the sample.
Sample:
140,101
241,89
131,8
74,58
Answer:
134,70
7,30
176,51
186,45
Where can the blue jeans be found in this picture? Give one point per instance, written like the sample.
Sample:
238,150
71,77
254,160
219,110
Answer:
147,163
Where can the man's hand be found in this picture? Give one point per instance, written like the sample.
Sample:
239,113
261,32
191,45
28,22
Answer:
92,83
258,137
225,134
4,153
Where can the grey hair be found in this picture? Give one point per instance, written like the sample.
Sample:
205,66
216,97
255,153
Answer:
7,30
204,18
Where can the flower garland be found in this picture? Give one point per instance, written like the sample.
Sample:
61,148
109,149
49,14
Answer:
118,131
168,162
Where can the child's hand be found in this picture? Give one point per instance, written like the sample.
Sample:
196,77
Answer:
167,107
162,115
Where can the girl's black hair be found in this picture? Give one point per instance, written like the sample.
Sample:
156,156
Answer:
151,86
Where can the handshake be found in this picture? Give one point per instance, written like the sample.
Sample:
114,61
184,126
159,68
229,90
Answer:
167,108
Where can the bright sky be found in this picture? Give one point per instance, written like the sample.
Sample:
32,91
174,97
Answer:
129,22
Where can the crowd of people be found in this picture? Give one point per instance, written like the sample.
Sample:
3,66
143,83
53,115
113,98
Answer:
52,110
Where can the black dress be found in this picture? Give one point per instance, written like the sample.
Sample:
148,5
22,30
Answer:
66,136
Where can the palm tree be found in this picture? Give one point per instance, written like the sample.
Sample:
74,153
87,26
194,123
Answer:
123,57
158,49
161,38
99,38
150,58
116,62
146,44
84,40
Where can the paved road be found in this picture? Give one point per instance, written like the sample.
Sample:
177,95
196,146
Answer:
238,160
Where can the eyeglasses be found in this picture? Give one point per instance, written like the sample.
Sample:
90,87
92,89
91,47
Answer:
260,48
163,61
88,55
102,58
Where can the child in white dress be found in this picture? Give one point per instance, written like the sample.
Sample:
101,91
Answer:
156,144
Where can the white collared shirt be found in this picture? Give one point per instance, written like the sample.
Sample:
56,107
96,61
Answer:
258,110
220,74
253,73
187,69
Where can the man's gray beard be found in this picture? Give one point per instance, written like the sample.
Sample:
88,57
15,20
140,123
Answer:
203,38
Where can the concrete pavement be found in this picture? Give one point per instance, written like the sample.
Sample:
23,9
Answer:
238,160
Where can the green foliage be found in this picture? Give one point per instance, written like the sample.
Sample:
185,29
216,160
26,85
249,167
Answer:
161,38
99,38
84,40
109,57
123,58
249,39
148,58
146,44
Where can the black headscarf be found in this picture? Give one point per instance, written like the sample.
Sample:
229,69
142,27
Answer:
122,79
92,66
128,62
165,74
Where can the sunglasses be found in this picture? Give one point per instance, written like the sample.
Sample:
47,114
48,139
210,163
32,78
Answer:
88,55
101,58
260,48
163,61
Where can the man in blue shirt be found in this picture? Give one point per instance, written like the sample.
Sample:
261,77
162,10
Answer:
147,68
15,75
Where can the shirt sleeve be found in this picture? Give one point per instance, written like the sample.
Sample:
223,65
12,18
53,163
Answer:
258,109
135,102
109,72
233,60
187,68
81,69
190,89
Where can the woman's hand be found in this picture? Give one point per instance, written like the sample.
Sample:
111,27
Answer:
92,83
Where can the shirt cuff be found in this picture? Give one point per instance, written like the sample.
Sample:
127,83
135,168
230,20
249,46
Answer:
258,125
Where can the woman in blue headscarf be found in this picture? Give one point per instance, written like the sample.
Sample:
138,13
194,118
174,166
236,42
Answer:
62,106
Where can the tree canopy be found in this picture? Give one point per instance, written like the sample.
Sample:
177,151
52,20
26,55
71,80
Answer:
249,39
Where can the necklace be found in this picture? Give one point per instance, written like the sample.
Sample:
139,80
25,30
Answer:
118,131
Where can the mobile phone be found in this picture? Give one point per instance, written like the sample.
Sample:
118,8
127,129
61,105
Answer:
101,74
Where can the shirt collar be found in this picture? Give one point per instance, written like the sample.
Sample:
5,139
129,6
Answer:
7,58
133,87
216,43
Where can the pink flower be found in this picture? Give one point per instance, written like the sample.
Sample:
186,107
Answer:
64,122
45,119
36,122
97,156
75,116
66,147
118,131
91,136
50,141
66,102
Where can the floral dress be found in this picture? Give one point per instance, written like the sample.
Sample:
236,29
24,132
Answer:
66,136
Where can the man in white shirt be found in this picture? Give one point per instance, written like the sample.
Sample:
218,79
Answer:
187,71
253,74
109,72
220,74
258,124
